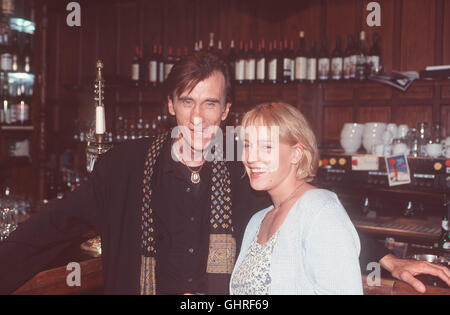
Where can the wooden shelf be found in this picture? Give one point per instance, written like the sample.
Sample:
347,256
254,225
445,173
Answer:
17,128
14,162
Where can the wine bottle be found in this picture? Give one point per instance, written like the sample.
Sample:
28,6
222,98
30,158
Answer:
211,47
361,65
261,63
6,56
272,65
15,52
170,61
348,58
301,65
219,48
292,58
240,64
232,59
250,65
153,67
26,56
287,63
6,102
160,64
324,61
354,57
374,55
8,7
245,62
312,64
337,61
135,67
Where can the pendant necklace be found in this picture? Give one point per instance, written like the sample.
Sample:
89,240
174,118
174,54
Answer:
195,175
288,198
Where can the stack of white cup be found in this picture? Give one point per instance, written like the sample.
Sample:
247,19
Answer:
373,135
351,137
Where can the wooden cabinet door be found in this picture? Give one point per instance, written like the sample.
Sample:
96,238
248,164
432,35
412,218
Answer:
413,114
334,119
374,114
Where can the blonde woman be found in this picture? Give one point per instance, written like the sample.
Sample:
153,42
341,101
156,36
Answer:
305,243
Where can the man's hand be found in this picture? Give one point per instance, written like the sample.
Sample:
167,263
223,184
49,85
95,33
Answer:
405,270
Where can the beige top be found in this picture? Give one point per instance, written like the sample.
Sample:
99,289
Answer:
252,277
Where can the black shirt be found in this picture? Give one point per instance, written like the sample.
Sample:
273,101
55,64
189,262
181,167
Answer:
182,211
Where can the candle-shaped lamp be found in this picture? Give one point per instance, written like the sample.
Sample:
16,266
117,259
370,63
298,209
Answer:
100,126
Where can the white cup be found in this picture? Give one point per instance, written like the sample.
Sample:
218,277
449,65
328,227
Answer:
387,137
402,131
378,149
446,151
400,148
446,142
434,149
393,129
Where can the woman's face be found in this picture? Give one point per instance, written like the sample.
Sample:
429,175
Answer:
268,160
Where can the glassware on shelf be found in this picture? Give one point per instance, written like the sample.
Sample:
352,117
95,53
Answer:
9,214
412,139
424,135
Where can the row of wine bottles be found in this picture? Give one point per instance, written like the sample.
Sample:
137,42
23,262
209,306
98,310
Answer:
273,62
15,50
15,96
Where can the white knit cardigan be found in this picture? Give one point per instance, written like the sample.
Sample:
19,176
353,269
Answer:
317,249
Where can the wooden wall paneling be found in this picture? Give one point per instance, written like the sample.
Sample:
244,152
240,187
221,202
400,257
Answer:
334,119
69,50
107,29
445,120
53,30
128,25
397,42
153,22
311,106
370,91
303,16
439,31
418,34
413,114
239,21
446,33
338,92
385,31
89,41
342,18
418,91
445,91
374,114
209,20
179,27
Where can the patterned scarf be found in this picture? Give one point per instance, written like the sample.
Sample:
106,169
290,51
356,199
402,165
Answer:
222,245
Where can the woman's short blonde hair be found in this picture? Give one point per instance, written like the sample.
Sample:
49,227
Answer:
293,129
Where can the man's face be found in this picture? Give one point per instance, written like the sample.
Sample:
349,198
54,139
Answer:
200,111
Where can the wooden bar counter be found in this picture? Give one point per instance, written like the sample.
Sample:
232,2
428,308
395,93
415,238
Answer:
53,282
